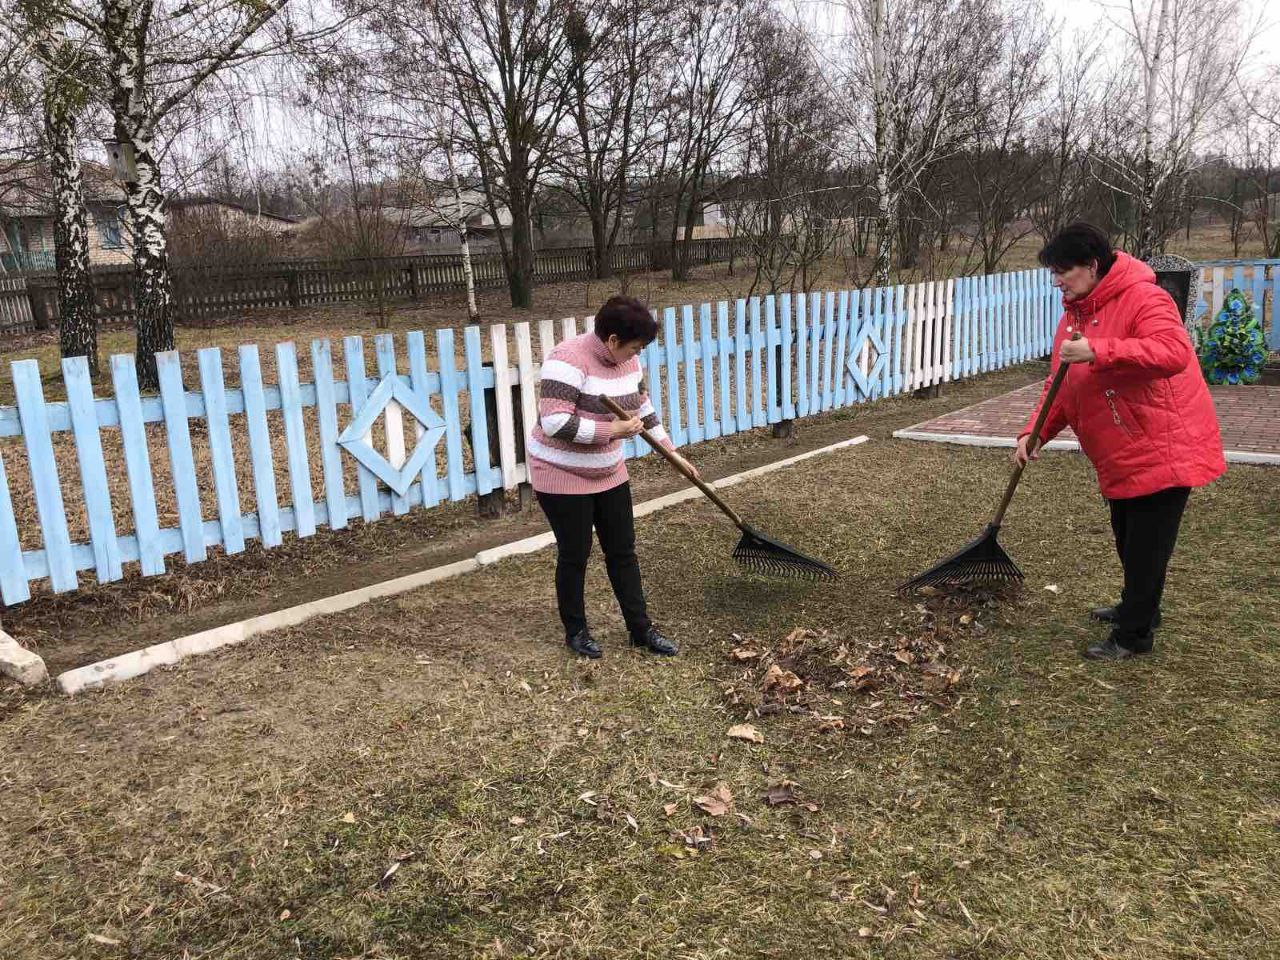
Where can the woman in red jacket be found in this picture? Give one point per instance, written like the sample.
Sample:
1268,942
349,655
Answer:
1137,401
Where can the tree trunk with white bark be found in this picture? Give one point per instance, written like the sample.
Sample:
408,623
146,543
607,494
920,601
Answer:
1146,232
77,326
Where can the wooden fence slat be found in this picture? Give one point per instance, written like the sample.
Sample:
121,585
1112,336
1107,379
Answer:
358,392
568,328
692,395
675,428
93,469
13,573
137,461
295,436
1274,341
711,422
546,337
740,364
44,474
788,318
1004,327
948,326
878,300
802,353
487,477
828,343
449,387
1024,311
932,341
756,339
225,485
816,303
844,347
506,415
429,482
260,454
185,488
384,346
528,391
727,422
772,345
335,496
653,386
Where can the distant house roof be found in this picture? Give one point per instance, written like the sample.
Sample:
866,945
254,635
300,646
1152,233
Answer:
441,212
27,190
187,203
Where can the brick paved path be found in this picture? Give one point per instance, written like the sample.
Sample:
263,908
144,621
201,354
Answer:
1249,416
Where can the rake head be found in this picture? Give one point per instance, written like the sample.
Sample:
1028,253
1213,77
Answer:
982,559
766,555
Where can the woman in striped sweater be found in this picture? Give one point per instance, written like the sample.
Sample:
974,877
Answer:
577,469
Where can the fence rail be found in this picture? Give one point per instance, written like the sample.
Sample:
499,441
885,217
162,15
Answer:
223,456
202,294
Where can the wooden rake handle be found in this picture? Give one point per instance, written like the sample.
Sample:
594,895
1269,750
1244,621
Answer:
676,462
1034,438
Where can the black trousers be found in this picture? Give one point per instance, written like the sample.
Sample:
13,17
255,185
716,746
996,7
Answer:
572,516
1146,530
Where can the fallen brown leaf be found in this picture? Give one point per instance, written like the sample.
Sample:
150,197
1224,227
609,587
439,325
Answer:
780,793
745,731
781,682
716,803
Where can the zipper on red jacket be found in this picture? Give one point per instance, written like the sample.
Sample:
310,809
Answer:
1115,412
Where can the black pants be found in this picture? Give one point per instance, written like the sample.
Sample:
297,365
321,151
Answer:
1146,530
572,516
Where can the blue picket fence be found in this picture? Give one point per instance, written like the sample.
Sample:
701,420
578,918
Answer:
225,455
1259,280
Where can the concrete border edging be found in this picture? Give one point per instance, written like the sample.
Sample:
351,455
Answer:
21,664
977,440
139,662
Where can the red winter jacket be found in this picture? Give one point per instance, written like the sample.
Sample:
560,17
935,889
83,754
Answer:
1141,409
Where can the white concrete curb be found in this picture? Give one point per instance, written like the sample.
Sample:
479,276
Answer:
138,662
21,664
974,440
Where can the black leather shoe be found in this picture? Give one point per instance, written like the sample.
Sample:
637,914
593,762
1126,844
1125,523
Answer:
656,642
584,645
1112,649
1110,615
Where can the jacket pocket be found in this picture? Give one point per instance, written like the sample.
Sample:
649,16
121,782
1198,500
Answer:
1121,415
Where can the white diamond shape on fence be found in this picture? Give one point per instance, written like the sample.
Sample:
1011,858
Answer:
399,477
853,361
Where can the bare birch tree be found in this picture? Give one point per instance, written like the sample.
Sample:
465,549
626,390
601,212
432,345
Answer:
1000,169
64,68
705,110
791,199
1180,60
505,62
915,57
617,54
1064,139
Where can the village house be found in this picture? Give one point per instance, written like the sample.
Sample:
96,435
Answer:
26,218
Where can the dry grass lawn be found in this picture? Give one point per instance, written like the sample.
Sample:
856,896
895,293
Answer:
432,777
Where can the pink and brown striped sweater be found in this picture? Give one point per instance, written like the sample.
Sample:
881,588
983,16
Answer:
571,449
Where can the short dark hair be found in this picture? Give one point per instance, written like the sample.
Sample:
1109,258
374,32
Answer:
1078,245
626,318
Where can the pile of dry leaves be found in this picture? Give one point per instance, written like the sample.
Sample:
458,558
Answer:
866,682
